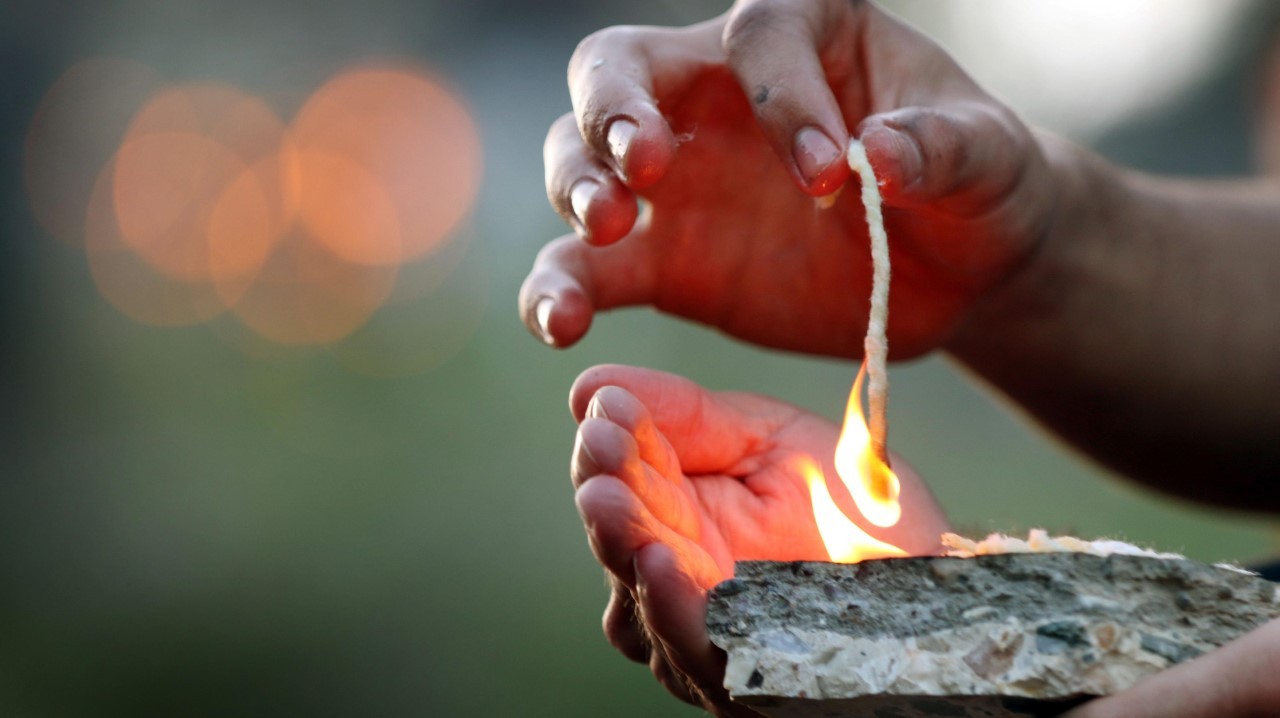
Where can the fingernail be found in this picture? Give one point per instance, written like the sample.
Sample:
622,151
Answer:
909,157
596,409
813,152
580,199
542,312
586,463
621,132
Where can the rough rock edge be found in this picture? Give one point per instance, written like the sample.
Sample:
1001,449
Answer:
892,637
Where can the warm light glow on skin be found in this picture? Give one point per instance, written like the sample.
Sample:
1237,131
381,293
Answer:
872,484
844,540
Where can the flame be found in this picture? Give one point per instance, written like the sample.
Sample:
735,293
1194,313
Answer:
844,540
870,481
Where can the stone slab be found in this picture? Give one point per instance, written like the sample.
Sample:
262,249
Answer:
991,636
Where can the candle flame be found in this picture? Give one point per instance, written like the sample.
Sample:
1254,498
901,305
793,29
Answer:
870,481
844,540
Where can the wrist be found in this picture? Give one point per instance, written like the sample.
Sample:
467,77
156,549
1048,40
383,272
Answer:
1034,299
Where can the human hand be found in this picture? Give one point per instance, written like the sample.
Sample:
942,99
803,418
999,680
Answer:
1235,681
675,483
728,127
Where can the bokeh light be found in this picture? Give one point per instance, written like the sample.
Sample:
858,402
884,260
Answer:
74,132
308,295
166,186
130,283
411,134
200,198
185,154
346,209
435,311
1082,67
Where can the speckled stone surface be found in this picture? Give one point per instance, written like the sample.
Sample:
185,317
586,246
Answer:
991,636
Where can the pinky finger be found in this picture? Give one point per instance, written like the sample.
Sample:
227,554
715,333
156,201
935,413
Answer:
671,679
674,605
622,625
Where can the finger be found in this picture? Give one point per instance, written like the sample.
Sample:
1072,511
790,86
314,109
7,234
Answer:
707,434
570,281
604,448
583,190
773,49
611,84
1235,680
962,158
671,679
618,525
622,625
624,409
673,603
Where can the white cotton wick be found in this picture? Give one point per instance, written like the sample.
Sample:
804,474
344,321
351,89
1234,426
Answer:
876,345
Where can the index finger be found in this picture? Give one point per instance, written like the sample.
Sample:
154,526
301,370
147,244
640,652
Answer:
614,77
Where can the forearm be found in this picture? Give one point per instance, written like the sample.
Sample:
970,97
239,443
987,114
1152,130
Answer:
1145,330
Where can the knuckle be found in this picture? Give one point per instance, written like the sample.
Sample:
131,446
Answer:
551,252
587,49
562,140
593,121
618,39
565,127
667,678
558,178
746,26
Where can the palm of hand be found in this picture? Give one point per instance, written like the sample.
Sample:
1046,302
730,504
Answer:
744,249
719,477
675,483
757,506
741,247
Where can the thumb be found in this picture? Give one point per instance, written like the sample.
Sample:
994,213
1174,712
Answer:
772,48
1238,679
962,159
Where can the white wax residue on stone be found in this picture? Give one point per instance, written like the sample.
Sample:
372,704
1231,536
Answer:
1039,541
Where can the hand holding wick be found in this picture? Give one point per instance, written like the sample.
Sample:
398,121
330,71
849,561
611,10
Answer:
756,110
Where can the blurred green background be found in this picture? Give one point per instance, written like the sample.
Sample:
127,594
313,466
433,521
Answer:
197,523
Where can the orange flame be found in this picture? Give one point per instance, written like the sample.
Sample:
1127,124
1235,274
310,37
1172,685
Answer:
844,540
870,482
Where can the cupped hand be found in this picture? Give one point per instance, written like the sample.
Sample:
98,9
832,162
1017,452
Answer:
1235,681
729,129
676,483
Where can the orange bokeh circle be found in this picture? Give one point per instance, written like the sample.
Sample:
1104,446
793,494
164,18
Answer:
74,132
130,283
409,133
204,199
